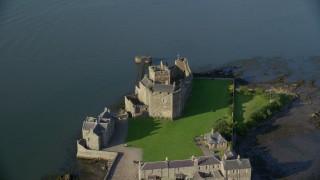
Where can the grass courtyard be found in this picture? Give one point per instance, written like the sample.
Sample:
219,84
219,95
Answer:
208,103
174,139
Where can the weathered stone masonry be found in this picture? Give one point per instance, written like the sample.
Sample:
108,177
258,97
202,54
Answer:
164,93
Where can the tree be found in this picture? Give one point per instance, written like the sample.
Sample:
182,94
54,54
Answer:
259,91
231,88
244,90
222,126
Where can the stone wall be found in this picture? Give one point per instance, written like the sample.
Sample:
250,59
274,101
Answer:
105,137
129,106
167,105
184,66
244,174
84,153
177,104
143,93
92,140
161,105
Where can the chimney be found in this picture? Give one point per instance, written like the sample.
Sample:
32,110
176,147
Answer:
139,171
161,63
196,165
213,130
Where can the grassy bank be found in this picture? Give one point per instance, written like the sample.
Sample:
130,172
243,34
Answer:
252,107
174,139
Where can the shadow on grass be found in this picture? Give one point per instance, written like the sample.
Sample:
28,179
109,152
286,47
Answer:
141,127
238,104
208,95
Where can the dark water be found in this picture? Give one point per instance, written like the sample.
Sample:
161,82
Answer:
63,60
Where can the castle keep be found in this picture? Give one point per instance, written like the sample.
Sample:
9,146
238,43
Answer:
163,93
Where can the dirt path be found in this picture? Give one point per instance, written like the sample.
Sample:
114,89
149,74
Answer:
123,167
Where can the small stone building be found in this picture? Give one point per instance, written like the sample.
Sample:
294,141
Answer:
96,132
204,167
236,169
229,154
163,93
215,141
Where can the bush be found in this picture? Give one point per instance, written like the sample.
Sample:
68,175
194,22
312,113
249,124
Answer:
260,91
280,101
230,109
244,90
222,126
240,128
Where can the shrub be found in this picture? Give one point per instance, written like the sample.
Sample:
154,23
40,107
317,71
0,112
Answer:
244,90
240,128
222,126
231,88
260,91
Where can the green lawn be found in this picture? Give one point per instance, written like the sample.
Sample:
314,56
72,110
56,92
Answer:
174,139
245,105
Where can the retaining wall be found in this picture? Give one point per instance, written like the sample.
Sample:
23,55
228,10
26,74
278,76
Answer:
84,153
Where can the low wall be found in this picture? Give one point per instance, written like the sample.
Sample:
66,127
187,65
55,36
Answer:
84,153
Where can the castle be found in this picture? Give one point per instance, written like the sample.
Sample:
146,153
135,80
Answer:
162,94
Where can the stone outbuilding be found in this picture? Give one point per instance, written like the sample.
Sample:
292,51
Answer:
215,141
236,169
96,132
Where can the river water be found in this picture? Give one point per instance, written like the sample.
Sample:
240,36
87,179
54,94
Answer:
63,60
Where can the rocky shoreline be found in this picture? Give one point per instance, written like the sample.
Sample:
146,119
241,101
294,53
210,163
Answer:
285,146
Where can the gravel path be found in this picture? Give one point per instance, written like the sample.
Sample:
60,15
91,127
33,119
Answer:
123,167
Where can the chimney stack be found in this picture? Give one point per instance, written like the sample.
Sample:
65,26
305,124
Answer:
213,130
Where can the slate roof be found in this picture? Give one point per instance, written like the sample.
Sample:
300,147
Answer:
215,138
88,125
217,175
203,160
146,81
154,165
205,176
103,126
237,164
181,163
134,99
229,154
208,160
163,87
106,115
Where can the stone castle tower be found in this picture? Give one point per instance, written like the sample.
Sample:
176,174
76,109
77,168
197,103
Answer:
164,93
